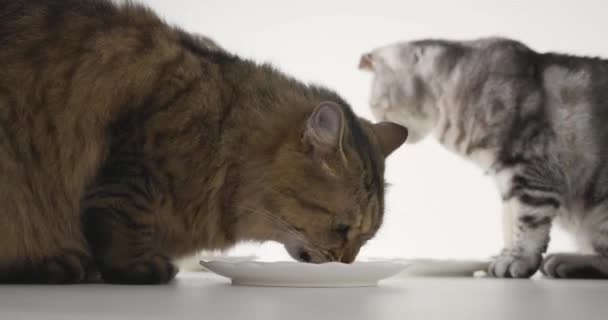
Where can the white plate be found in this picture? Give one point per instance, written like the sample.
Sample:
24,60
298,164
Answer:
295,274
444,268
192,263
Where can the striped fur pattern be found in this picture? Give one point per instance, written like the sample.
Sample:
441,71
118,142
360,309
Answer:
534,121
126,143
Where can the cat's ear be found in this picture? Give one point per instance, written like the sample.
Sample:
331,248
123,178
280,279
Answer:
324,127
390,136
366,62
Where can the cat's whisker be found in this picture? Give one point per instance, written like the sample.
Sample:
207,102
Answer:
303,241
282,223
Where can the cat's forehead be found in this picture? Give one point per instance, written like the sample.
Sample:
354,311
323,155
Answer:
399,55
392,56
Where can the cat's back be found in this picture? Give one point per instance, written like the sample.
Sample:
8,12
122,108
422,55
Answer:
575,99
572,80
96,43
71,68
76,76
572,91
576,94
562,74
22,21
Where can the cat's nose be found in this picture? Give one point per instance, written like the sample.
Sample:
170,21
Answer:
349,254
304,256
348,259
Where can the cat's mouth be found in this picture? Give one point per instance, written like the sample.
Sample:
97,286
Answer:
312,255
301,248
308,255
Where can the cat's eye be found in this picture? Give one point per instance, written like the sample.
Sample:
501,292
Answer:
342,229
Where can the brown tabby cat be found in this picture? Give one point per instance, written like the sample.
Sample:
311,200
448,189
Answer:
125,143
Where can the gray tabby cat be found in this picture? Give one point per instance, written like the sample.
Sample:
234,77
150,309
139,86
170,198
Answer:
537,122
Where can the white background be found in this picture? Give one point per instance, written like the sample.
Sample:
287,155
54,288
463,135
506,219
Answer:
439,205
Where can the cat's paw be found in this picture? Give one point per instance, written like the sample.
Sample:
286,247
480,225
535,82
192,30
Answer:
64,269
510,264
575,266
155,270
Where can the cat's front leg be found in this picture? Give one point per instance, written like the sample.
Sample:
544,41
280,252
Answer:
124,246
122,226
533,211
508,224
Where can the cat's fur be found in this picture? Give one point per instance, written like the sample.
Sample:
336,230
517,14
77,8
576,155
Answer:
535,121
125,143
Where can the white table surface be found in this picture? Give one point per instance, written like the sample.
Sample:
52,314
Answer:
206,296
